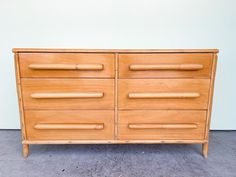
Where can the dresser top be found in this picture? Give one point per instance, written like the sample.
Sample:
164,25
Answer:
58,50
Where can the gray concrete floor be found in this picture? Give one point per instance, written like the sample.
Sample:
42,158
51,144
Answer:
156,160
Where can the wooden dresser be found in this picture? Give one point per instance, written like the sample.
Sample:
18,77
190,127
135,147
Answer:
83,96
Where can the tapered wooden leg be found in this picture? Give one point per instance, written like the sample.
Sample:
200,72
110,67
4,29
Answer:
205,150
25,150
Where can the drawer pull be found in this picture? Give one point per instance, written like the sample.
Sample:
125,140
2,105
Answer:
67,95
60,126
163,95
162,126
182,67
66,66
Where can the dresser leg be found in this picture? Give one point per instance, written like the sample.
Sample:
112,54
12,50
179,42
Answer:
205,150
25,150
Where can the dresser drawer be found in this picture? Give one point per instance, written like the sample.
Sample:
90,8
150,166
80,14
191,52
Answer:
163,124
68,93
66,65
163,93
69,125
165,65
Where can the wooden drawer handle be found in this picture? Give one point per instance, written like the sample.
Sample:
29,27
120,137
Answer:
182,67
66,66
62,126
162,126
67,95
163,95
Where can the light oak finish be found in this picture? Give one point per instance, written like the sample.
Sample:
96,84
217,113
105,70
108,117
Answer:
69,124
163,93
115,96
165,65
68,93
89,65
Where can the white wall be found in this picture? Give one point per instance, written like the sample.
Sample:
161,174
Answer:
120,24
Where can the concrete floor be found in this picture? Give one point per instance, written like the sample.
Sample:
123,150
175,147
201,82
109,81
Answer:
155,160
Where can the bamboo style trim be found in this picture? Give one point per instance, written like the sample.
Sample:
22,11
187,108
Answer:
162,126
211,92
182,67
25,147
63,126
60,50
66,66
116,124
20,98
163,95
113,141
66,95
